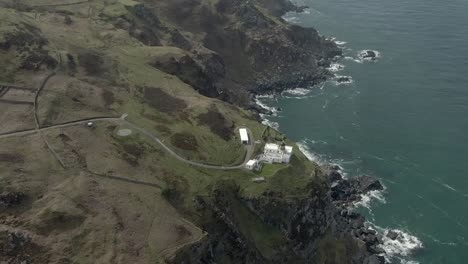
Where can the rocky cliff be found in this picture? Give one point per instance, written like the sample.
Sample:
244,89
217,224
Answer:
235,47
318,227
127,200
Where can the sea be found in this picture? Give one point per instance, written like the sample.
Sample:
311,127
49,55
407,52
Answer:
402,117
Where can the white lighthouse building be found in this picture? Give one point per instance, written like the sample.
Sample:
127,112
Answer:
274,153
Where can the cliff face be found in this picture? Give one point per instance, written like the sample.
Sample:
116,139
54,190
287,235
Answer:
119,200
273,228
245,46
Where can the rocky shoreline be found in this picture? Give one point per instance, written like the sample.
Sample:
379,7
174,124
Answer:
234,51
246,48
325,214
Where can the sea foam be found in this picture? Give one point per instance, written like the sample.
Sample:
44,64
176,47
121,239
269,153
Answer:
304,148
335,67
402,246
297,91
405,243
269,123
368,198
272,110
291,19
353,59
340,43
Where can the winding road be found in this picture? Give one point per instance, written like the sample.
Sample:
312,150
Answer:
249,148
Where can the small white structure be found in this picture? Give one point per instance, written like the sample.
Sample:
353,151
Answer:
254,165
258,179
274,153
124,132
244,136
90,124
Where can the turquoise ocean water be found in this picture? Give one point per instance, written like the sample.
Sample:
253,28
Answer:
403,119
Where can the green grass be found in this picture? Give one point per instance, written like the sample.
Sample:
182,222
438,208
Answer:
115,10
211,148
267,239
269,170
332,250
132,70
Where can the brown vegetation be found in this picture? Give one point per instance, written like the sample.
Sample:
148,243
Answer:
163,101
185,141
13,158
109,98
92,62
217,123
132,152
164,130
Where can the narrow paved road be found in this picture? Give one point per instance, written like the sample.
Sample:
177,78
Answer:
249,148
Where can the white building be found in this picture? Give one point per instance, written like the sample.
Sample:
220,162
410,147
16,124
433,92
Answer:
274,153
244,136
254,165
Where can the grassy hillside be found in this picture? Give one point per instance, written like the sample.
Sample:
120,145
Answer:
90,195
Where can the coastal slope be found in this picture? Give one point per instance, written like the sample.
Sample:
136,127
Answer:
79,184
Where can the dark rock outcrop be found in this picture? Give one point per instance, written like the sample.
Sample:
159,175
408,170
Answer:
29,43
11,199
392,234
18,247
262,55
188,71
247,41
370,54
304,225
343,79
13,242
374,259
350,190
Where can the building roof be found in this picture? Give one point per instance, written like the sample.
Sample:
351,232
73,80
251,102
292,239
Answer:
271,146
288,149
243,134
251,162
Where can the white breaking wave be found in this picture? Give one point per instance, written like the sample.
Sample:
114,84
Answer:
368,198
353,59
402,246
260,96
337,42
399,248
297,91
336,67
340,43
291,19
409,262
269,123
270,109
306,11
321,159
308,153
